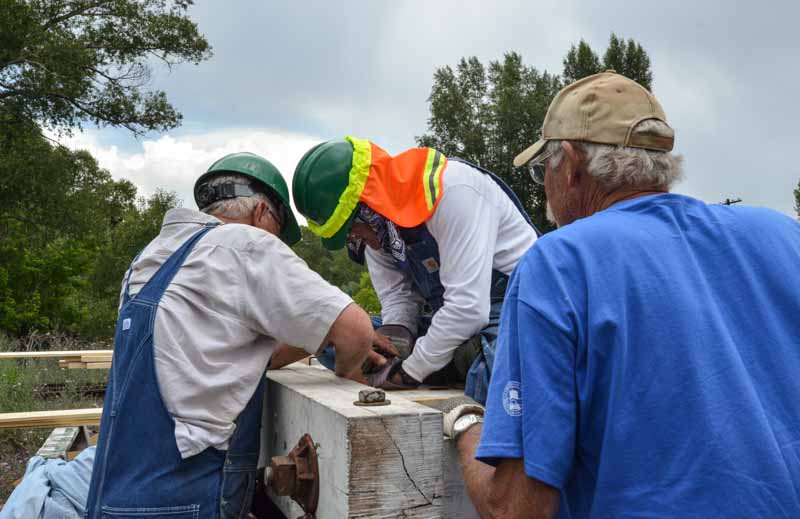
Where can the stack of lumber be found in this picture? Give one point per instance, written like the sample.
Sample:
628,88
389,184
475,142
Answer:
97,359
72,417
90,359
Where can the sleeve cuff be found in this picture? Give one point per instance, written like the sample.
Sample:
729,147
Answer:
412,366
493,454
327,316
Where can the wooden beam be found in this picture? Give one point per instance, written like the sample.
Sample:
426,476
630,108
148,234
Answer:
98,365
52,354
382,461
97,357
62,418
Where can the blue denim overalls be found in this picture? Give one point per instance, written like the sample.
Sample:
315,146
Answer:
138,470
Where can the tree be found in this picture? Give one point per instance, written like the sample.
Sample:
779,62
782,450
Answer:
64,62
366,297
581,61
488,114
334,266
67,232
797,199
67,229
629,59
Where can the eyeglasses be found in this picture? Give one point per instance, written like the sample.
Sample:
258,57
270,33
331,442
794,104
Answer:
278,213
537,167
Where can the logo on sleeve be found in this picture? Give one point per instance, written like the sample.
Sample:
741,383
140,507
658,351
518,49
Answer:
512,398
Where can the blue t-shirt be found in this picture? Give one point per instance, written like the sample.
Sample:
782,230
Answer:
648,363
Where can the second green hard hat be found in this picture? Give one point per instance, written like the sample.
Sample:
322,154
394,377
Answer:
319,180
264,172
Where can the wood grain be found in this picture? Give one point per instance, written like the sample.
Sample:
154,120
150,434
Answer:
51,418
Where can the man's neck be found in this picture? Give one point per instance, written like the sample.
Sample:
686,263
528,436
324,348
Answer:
601,200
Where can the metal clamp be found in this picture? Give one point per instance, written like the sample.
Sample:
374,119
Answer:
297,476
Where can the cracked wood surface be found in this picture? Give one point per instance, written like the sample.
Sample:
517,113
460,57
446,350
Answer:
376,462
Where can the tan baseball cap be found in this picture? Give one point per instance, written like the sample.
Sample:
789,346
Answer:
603,108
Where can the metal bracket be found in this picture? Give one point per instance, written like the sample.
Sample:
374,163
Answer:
297,476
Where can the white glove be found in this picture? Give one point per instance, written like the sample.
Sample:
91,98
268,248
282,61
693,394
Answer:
454,408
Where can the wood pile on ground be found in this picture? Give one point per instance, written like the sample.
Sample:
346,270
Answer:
87,359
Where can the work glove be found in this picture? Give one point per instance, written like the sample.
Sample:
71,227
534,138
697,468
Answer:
383,350
383,378
400,337
453,409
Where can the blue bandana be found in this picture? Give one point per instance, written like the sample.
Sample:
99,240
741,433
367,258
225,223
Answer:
389,238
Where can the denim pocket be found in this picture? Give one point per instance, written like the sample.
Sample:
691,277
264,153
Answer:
238,487
170,512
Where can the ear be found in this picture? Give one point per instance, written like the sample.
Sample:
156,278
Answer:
259,211
574,160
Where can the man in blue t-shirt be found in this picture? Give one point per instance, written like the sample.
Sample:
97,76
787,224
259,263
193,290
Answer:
649,350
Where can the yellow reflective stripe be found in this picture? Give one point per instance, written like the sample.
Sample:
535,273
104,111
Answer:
437,178
430,178
359,171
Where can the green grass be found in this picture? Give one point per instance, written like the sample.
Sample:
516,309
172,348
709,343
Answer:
19,380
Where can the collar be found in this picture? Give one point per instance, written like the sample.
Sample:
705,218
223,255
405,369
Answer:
182,216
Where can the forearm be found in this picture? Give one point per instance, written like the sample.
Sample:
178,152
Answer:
352,336
286,355
505,491
451,327
477,475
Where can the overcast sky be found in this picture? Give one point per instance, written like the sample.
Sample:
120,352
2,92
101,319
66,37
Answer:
288,74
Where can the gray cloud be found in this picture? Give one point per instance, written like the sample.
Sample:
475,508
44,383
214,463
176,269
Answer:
726,73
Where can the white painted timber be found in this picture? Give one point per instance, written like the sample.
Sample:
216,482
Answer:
375,462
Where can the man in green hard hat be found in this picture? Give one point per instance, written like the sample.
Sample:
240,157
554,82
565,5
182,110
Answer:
216,298
440,237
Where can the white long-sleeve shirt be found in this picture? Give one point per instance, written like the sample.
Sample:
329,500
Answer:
478,229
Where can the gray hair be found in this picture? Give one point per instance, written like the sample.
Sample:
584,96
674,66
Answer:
239,207
617,166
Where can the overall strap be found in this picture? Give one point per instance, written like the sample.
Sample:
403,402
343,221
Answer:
156,285
506,189
126,295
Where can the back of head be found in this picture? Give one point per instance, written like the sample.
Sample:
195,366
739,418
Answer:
619,127
235,184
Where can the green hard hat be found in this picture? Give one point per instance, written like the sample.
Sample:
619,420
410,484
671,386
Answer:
265,173
319,180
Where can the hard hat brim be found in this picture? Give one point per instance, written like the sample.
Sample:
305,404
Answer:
338,240
291,231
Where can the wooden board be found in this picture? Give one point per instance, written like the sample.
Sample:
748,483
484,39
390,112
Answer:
382,462
51,418
98,365
69,355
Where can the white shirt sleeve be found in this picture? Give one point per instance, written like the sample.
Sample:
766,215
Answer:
286,300
465,227
399,301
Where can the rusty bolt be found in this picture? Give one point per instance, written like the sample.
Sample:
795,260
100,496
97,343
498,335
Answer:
371,396
282,475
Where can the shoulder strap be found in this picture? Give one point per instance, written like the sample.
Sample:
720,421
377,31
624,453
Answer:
156,285
126,295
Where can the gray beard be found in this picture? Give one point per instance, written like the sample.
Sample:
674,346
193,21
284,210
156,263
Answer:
550,216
